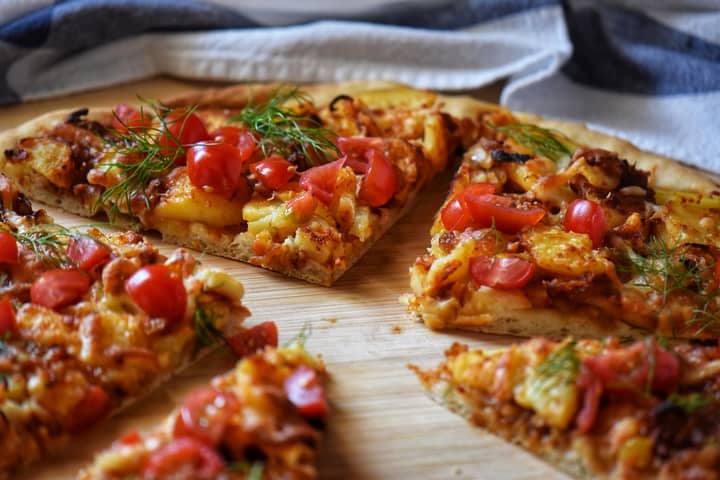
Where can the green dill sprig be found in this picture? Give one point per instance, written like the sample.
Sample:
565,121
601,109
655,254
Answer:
280,127
206,333
561,366
550,144
147,157
691,402
301,337
663,270
48,241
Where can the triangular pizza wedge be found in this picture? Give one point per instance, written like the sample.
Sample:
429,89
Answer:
90,322
300,180
552,229
593,409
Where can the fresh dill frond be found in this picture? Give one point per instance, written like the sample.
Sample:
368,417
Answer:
146,157
561,366
691,402
206,333
281,126
663,269
254,470
546,143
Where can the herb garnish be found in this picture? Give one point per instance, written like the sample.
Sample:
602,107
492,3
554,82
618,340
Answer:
690,402
301,337
664,270
282,127
206,333
48,241
254,470
147,158
560,366
547,143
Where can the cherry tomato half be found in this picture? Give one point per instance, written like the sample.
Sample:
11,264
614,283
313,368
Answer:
501,272
94,406
586,216
455,215
87,253
126,117
180,130
305,391
205,414
303,206
254,339
273,172
241,139
8,248
217,167
58,288
129,438
592,390
321,180
159,292
488,209
186,455
366,155
7,317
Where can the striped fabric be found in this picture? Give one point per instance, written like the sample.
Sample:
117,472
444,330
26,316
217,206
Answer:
646,70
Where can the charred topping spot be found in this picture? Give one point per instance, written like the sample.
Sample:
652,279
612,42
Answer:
76,116
16,154
674,429
337,99
22,205
509,157
614,166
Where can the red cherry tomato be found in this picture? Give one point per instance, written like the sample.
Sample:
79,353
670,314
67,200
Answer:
305,391
488,209
59,288
274,172
366,155
303,206
130,438
635,368
205,414
7,317
321,180
8,248
127,117
254,339
455,215
94,406
501,272
159,292
180,130
186,455
241,139
217,167
586,216
87,253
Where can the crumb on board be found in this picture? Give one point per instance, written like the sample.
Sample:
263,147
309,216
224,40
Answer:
332,320
396,329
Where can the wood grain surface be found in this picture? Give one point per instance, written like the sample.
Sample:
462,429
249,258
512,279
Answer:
382,425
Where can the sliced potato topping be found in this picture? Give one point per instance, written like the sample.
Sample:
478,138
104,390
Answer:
565,253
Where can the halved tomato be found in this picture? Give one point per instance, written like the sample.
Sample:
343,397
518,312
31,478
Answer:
205,414
456,215
586,216
181,129
127,117
501,272
273,172
217,167
8,249
303,206
187,455
93,407
239,138
305,391
254,339
158,291
366,155
489,209
87,253
59,288
321,180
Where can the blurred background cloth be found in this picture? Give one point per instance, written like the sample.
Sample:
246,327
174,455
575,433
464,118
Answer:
648,71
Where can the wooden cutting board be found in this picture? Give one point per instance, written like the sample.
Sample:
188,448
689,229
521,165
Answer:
382,424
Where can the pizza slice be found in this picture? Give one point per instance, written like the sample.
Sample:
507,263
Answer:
593,409
300,181
263,420
90,322
552,229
